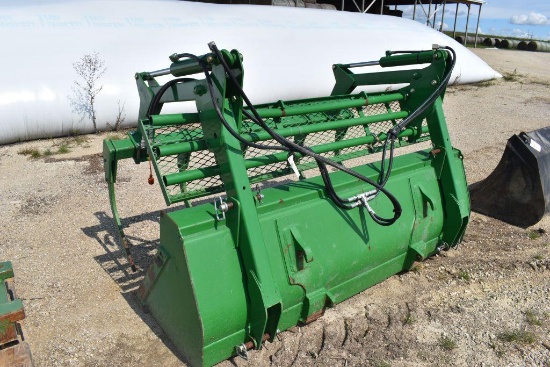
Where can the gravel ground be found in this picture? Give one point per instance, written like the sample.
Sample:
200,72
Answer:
484,304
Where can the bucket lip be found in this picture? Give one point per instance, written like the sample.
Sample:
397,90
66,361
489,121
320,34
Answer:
497,195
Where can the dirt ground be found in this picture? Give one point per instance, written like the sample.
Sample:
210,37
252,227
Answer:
484,304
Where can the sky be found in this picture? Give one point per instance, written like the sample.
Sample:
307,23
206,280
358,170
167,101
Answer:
515,18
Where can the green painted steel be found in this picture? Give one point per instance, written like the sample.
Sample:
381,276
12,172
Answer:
11,308
231,274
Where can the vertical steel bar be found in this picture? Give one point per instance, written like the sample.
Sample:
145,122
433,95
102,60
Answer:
435,16
456,15
414,10
429,14
467,22
477,27
442,16
382,8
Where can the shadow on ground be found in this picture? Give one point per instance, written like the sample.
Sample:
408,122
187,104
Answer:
114,262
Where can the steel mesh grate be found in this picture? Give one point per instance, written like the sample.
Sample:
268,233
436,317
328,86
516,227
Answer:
165,136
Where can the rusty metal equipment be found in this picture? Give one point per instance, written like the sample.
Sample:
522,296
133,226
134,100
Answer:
518,190
277,225
14,351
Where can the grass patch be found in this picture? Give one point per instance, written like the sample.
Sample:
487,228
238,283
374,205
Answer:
30,151
447,343
36,154
484,84
511,77
409,320
63,149
519,336
538,257
535,234
79,139
114,137
533,318
464,275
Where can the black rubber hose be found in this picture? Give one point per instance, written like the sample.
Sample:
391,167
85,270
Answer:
156,99
220,113
295,147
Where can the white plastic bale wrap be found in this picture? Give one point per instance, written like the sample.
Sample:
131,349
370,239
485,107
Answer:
288,53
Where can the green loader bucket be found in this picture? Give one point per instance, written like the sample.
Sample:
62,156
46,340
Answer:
271,237
518,190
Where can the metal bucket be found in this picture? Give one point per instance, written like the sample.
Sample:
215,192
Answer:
518,190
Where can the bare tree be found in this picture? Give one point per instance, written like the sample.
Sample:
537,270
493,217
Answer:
120,117
90,68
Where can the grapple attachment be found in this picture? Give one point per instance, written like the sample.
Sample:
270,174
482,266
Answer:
278,243
518,190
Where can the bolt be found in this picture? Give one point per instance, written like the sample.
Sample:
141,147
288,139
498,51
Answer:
434,82
225,206
199,90
413,90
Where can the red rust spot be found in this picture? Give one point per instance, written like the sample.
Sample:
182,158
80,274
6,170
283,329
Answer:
250,344
314,316
9,334
435,152
13,316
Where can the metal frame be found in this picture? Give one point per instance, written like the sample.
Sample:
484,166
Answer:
437,4
443,3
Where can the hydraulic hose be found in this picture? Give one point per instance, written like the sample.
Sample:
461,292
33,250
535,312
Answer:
293,147
322,162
